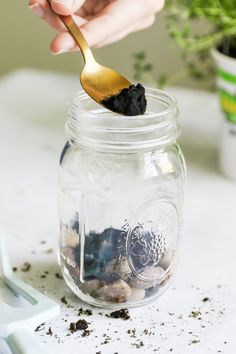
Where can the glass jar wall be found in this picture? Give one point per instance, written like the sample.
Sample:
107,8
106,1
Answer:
121,196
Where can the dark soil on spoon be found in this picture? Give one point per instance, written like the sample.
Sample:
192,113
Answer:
129,102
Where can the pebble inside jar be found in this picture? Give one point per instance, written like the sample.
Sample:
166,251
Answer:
121,196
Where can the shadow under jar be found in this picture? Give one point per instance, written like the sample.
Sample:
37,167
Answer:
121,196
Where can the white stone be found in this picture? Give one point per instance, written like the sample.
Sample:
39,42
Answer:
119,266
167,259
117,292
149,277
71,238
137,294
90,286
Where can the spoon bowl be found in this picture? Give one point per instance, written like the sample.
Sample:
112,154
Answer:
101,82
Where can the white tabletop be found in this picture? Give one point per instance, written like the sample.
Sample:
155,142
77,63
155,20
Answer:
32,117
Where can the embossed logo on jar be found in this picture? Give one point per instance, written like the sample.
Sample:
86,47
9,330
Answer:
156,230
146,245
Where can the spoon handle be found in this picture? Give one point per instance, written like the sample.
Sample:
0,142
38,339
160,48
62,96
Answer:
74,30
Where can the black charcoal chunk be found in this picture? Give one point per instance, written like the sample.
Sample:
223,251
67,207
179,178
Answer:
129,102
64,150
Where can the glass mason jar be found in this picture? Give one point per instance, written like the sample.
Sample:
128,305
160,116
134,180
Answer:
121,196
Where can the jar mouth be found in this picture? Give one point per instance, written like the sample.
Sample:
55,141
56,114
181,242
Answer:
169,100
93,126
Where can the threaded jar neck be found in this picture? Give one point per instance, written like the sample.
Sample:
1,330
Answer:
93,127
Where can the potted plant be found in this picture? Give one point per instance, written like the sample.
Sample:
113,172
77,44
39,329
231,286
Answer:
219,42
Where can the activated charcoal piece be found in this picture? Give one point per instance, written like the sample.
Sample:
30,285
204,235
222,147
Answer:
99,250
109,245
129,102
64,150
90,260
91,250
75,223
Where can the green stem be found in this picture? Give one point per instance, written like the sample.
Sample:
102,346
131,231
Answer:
175,78
196,45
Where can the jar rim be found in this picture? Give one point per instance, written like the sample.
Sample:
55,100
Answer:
93,126
172,104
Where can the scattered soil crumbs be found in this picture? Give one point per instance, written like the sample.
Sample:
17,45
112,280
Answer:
195,314
86,312
138,345
78,326
123,313
40,327
72,327
132,333
207,310
49,251
58,276
14,269
81,325
148,332
195,341
86,333
26,267
64,301
49,332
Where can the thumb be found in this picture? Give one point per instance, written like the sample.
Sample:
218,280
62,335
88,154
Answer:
66,7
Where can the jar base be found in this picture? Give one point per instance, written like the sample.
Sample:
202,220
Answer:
86,298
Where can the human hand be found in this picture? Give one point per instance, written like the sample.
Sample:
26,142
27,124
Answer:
102,22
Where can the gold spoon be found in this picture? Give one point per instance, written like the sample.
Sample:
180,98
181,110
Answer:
98,81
